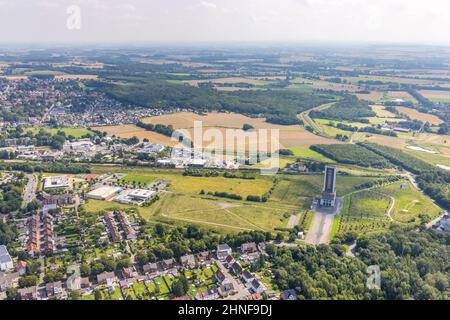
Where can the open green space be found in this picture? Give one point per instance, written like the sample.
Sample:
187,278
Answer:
75,132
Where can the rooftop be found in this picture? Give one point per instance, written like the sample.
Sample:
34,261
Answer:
4,255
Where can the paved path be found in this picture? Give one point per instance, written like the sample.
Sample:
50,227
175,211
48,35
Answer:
29,192
242,291
320,229
350,251
205,222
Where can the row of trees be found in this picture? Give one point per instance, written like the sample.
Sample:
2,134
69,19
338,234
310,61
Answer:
350,108
433,181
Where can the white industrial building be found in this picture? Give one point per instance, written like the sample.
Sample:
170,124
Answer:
57,182
104,193
79,146
6,262
134,196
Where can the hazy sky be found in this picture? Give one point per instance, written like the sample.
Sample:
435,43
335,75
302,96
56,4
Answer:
411,21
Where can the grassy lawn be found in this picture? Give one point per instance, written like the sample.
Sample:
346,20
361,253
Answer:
141,290
363,212
117,295
307,153
75,132
161,284
366,211
194,185
410,203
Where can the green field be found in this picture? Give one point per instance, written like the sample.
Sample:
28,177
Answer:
75,132
307,153
410,203
375,210
363,212
193,185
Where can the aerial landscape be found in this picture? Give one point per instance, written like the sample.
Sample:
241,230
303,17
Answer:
256,171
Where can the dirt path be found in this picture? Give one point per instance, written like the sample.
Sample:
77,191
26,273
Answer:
293,221
205,222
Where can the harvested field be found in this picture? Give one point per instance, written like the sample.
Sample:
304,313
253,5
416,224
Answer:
379,139
232,80
321,84
436,95
129,131
392,95
372,96
416,115
77,76
382,112
290,136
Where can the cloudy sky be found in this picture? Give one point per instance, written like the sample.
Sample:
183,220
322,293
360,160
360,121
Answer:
405,21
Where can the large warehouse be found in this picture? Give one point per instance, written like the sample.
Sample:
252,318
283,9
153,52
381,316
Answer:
104,193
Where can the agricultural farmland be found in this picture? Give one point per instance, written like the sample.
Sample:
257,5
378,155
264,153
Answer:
417,115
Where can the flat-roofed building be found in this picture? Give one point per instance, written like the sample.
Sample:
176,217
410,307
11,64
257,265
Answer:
6,262
141,194
134,196
78,146
57,182
104,193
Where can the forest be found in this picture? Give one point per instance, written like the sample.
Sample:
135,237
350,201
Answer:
350,108
279,107
433,181
413,264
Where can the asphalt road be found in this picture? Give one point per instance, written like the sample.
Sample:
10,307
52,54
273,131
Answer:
320,230
242,291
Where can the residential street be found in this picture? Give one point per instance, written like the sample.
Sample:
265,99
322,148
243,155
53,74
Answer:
241,289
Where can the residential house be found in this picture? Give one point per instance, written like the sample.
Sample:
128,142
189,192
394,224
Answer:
21,267
257,286
126,284
288,295
221,278
8,280
203,258
27,293
253,296
150,268
228,262
226,290
236,267
249,247
188,261
54,290
223,251
168,264
210,294
108,278
85,284
247,277
128,273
